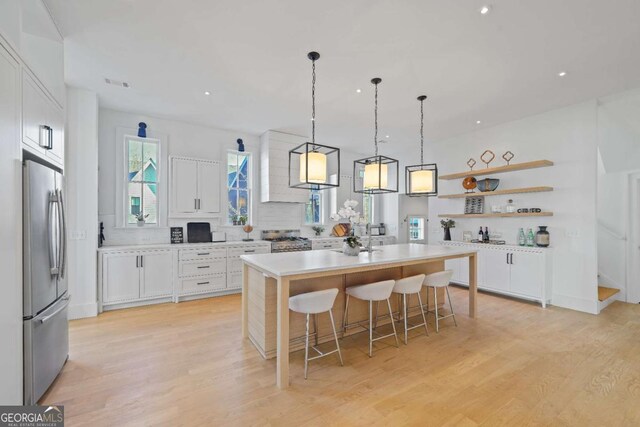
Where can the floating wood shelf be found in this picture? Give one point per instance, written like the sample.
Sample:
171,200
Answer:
496,192
495,215
499,169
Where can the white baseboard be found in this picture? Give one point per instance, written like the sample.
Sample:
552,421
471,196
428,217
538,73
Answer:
80,311
573,303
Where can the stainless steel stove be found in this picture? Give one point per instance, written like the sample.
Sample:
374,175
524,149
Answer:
286,241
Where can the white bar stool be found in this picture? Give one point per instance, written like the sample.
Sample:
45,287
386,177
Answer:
315,303
378,291
406,287
437,280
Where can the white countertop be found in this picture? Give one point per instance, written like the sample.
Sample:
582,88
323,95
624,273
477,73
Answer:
294,263
183,245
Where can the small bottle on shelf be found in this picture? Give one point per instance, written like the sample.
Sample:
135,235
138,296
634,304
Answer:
486,234
510,208
521,239
530,237
480,236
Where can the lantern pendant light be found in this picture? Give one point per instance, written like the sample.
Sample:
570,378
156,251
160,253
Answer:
422,179
314,166
377,174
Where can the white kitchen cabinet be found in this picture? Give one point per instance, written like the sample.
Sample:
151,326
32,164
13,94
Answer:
234,263
274,168
209,187
10,22
522,272
41,47
526,273
132,276
42,122
496,270
156,278
121,277
327,243
195,187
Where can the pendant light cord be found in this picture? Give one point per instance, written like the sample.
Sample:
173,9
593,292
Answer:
422,131
313,103
375,115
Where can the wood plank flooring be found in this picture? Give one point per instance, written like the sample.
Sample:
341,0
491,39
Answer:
516,364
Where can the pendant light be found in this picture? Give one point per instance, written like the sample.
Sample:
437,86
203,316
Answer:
377,174
314,166
422,179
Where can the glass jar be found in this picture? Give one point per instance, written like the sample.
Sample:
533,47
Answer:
542,237
510,208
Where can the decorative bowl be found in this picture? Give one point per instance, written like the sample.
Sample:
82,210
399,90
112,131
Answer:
488,184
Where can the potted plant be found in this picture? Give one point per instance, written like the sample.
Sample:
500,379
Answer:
351,246
141,219
447,224
317,229
234,220
242,220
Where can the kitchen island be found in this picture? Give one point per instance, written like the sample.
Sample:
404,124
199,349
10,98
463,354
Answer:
268,280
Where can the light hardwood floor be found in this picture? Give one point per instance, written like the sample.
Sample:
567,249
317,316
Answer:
516,364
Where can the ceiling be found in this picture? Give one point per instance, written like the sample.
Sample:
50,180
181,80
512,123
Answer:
251,56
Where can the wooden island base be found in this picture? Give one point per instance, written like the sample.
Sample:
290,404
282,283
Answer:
262,300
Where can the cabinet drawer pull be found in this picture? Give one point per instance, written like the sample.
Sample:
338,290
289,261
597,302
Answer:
204,266
249,250
202,283
203,253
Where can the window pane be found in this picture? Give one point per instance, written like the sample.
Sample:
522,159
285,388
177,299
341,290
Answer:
135,160
150,203
150,161
238,186
135,199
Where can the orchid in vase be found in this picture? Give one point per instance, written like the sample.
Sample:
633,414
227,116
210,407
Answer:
347,212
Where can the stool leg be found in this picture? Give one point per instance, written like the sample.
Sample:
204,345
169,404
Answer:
424,319
451,307
404,306
393,324
435,299
335,336
315,329
344,321
370,328
375,323
306,349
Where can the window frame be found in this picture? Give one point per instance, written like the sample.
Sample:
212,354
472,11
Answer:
228,221
321,208
123,135
128,139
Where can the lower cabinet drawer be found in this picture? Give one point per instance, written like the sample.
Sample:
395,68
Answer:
203,284
201,254
203,268
234,281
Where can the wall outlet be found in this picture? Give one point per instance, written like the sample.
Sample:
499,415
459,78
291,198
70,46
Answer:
572,233
77,235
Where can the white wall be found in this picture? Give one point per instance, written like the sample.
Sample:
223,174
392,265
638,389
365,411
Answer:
567,137
81,172
197,141
619,161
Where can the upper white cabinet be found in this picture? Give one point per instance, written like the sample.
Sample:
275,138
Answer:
41,47
274,168
42,122
10,22
195,187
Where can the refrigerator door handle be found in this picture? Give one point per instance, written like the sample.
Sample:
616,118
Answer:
63,235
49,316
53,254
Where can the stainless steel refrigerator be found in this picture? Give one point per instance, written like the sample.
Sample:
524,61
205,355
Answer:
45,302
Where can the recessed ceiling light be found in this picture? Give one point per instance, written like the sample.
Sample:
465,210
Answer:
206,92
562,73
358,91
387,136
485,10
478,122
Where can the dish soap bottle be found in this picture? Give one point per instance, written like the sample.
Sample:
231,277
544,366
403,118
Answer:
521,238
530,237
510,208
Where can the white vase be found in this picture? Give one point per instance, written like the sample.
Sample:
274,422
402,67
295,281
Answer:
348,250
141,223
